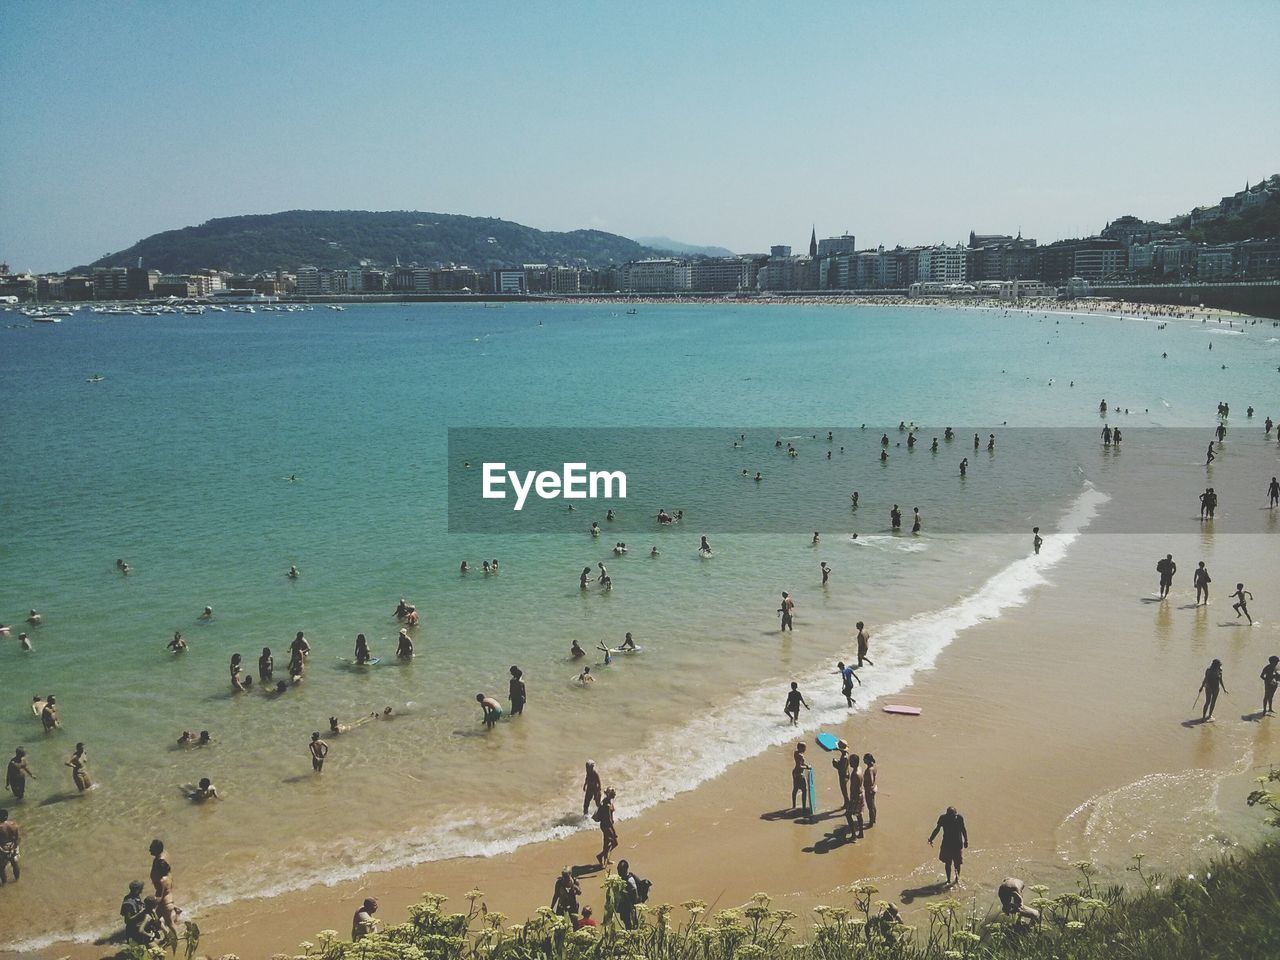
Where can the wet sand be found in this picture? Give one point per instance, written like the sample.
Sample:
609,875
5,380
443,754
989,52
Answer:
1075,702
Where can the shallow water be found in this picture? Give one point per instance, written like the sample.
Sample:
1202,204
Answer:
178,462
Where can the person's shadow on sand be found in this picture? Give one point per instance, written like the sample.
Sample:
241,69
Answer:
585,869
1253,717
1195,722
930,890
787,813
837,838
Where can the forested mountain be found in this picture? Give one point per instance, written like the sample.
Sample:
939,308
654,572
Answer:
342,238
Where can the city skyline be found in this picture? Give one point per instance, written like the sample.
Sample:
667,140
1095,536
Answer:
738,126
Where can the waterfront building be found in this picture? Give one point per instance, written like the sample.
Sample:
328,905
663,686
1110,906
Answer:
835,246
655,276
721,274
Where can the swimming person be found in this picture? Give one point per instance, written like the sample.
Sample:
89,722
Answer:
319,750
1166,568
847,676
402,609
293,572
954,841
787,609
491,708
628,642
576,651
864,641
704,547
795,700
1036,540
516,691
1201,580
205,790
207,614
591,787
799,780
585,676
1240,607
79,765
1270,678
177,644
35,619
1210,686
816,538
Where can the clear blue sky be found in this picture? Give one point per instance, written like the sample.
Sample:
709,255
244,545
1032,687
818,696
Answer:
718,122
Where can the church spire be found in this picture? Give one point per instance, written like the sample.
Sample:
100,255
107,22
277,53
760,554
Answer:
813,241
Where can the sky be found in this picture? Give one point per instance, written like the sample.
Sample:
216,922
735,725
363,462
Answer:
724,122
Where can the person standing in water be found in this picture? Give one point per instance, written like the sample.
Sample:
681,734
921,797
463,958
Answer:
895,517
404,645
787,610
1240,607
795,700
1270,678
964,466
1273,493
516,691
799,778
363,656
10,842
79,765
704,547
319,750
1037,541
491,708
847,676
266,665
1210,687
916,520
955,839
826,572
1201,580
864,642
1166,568
591,788
1209,457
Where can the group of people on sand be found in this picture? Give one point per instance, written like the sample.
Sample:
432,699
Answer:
1200,579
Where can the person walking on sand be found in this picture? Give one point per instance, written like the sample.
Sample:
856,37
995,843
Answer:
1210,687
869,787
319,750
1240,607
590,788
1270,678
787,610
79,765
955,839
799,782
795,700
864,641
1166,568
1201,580
605,815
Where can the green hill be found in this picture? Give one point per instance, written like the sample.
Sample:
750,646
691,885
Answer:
342,238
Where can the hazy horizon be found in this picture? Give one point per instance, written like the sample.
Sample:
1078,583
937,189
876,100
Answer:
730,124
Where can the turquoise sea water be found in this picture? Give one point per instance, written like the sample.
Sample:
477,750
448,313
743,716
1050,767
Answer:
177,462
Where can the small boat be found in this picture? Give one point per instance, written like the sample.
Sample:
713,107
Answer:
39,316
96,378
631,312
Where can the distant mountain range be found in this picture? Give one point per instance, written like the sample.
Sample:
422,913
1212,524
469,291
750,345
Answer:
342,238
685,249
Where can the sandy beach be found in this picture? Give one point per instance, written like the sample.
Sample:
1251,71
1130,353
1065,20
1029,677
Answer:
1052,729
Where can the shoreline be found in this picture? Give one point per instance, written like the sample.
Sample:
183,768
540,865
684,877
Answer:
1031,653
